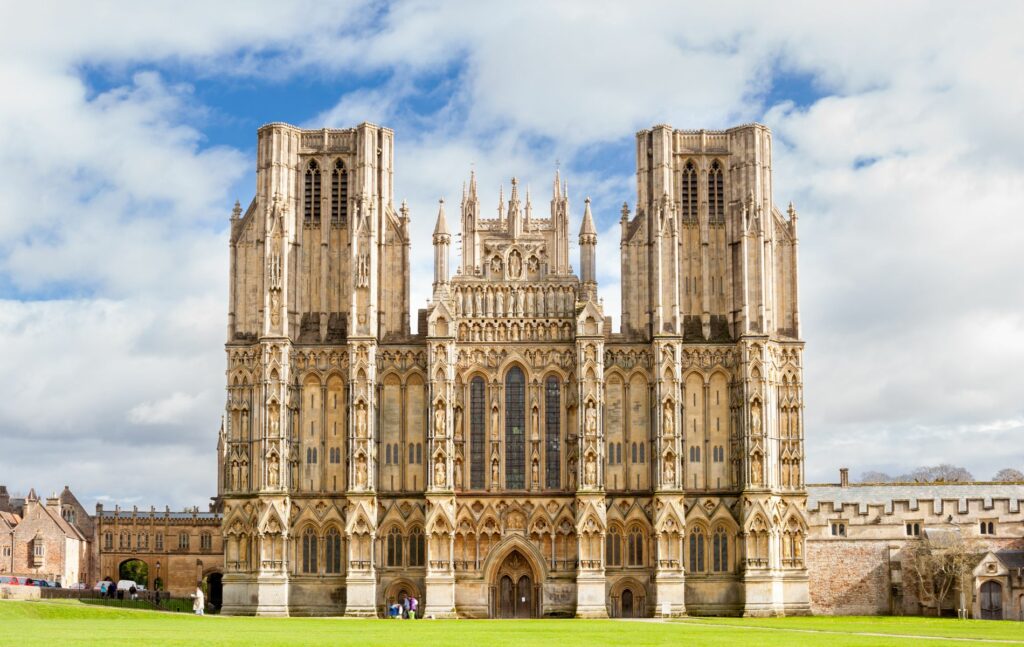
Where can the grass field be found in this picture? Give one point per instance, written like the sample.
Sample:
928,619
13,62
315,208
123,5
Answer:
54,623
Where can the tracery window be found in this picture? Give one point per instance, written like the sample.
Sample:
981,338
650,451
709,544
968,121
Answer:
633,455
613,547
312,192
552,433
697,551
394,548
332,551
339,194
694,454
720,551
636,547
689,192
311,455
515,416
205,541
417,548
477,434
642,457
716,193
309,551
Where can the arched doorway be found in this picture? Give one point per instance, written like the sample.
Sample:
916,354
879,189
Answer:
991,600
515,592
135,570
401,591
627,603
214,590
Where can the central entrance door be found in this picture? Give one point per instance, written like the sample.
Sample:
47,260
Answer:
991,601
515,588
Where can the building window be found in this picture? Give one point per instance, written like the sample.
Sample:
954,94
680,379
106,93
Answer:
332,551
417,548
334,454
339,194
689,191
7,551
643,459
394,547
477,434
183,541
552,433
206,541
694,454
311,455
913,529
636,547
387,454
108,540
124,541
716,193
515,415
309,550
159,541
838,528
38,548
312,192
632,452
987,528
720,551
697,551
613,547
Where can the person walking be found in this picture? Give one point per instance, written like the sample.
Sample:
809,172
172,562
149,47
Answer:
134,592
413,604
405,607
198,599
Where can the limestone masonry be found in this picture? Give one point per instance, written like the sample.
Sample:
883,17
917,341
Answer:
516,457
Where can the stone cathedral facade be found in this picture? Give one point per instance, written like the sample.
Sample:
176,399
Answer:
515,457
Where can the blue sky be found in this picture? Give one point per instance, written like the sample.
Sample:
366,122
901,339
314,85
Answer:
130,133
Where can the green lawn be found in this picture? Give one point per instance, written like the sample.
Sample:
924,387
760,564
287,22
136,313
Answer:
54,623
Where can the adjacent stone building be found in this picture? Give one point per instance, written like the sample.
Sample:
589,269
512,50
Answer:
516,457
862,537
177,549
45,539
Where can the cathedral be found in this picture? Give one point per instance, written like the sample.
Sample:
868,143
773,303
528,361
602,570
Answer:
516,456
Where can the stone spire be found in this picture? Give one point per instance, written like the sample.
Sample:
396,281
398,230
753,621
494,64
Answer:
588,254
442,240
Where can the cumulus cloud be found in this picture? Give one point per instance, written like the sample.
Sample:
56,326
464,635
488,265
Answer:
902,147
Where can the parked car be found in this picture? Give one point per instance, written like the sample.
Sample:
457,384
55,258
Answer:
124,585
8,579
78,586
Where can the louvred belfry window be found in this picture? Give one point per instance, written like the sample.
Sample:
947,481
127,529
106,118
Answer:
689,191
339,193
716,193
311,194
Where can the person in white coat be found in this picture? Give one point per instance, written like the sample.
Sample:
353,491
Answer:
198,600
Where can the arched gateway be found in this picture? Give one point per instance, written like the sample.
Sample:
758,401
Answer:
515,590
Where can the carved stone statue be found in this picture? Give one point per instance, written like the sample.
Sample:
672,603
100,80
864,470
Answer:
499,303
515,265
755,468
494,473
361,421
590,418
244,473
536,474
458,424
439,422
535,433
494,423
572,473
496,266
668,424
670,471
590,471
361,472
458,476
755,419
439,472
274,470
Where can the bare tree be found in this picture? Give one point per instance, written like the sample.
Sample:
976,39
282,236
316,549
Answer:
943,560
875,477
938,473
1009,475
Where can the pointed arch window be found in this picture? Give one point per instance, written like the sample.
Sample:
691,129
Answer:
613,547
552,433
636,547
417,548
394,548
477,434
311,194
716,193
697,551
332,551
309,550
689,191
515,417
339,194
720,551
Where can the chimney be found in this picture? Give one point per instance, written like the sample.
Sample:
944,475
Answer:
53,502
844,477
5,499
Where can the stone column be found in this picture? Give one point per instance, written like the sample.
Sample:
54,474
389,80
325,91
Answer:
440,579
669,501
361,524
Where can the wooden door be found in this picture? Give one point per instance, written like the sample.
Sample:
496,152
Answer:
524,597
506,598
991,601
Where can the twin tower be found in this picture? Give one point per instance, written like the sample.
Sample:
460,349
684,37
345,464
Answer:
516,457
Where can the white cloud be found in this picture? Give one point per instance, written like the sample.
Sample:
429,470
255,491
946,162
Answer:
908,178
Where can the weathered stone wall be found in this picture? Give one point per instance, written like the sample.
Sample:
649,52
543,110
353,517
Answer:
848,577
